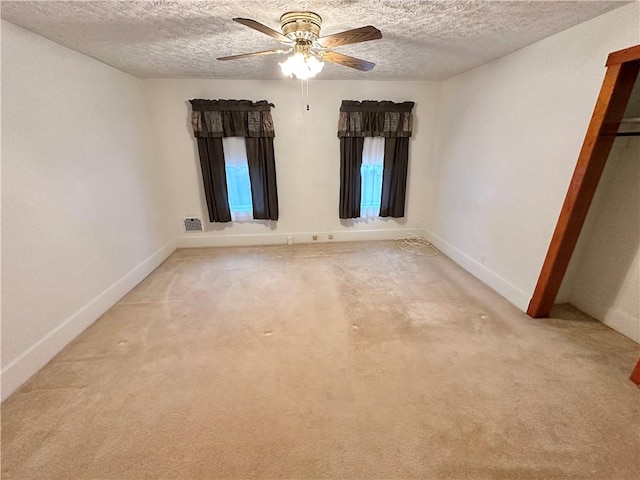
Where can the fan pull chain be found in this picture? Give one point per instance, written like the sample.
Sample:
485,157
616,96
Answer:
307,82
305,95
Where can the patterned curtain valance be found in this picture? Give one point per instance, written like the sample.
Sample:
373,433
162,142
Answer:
375,119
231,118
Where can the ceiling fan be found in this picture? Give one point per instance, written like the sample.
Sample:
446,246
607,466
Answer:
301,34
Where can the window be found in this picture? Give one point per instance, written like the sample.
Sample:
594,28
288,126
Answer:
238,184
371,176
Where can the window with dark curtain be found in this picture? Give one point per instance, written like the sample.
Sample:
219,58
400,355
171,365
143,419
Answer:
357,121
214,120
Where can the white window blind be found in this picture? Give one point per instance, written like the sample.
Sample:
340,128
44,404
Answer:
238,184
371,175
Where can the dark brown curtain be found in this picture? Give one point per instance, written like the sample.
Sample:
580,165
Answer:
375,119
231,118
368,118
394,177
214,178
213,120
350,163
262,174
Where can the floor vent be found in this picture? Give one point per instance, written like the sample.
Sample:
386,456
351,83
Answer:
193,224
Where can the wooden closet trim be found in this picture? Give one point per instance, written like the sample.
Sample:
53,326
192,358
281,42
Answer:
621,74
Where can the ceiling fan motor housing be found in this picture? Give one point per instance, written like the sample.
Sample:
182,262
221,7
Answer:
301,26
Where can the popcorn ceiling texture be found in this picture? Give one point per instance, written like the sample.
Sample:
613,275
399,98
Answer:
422,40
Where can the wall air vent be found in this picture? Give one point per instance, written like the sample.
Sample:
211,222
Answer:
193,224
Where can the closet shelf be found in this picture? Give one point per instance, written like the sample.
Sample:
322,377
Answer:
629,127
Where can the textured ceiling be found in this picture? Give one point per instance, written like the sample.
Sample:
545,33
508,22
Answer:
422,40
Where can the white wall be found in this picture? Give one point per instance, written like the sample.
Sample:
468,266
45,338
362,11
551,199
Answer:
508,137
605,268
307,156
82,214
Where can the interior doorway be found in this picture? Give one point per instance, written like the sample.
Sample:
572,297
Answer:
604,128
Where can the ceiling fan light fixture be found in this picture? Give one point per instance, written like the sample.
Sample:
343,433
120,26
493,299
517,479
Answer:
300,31
302,66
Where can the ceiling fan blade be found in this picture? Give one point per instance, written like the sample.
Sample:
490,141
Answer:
253,54
347,61
264,29
357,35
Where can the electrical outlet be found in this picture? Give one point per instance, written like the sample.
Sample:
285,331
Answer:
289,240
482,257
315,237
330,236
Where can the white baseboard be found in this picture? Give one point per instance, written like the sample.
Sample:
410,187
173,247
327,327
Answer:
196,240
508,290
612,317
624,323
35,357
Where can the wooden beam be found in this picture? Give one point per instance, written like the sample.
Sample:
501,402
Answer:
610,106
631,54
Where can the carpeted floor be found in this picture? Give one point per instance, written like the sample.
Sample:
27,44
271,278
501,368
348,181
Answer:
341,361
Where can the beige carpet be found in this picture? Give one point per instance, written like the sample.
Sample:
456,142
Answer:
337,361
